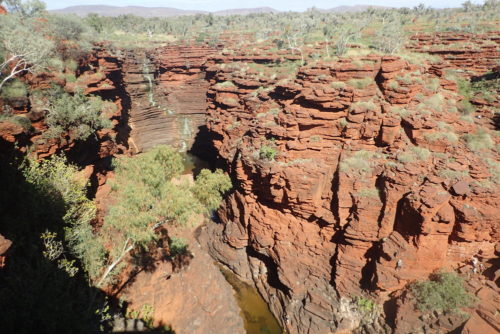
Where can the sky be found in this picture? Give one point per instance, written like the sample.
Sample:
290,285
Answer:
214,5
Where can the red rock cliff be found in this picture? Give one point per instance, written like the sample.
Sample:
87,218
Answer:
352,177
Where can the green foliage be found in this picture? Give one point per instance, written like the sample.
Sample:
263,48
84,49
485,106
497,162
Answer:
365,305
25,9
78,115
67,27
226,84
338,84
23,46
414,153
209,187
434,102
15,89
466,92
390,38
315,139
440,135
31,206
56,179
451,174
481,140
178,246
268,152
367,105
145,313
361,83
361,162
442,292
148,192
8,116
70,77
71,65
343,122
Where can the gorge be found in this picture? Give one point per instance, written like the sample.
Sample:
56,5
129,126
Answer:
352,178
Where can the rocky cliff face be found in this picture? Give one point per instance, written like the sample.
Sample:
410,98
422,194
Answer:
476,54
352,178
188,293
355,177
167,87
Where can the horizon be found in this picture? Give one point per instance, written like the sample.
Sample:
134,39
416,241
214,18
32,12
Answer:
281,5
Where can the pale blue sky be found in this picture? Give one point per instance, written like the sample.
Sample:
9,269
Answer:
213,5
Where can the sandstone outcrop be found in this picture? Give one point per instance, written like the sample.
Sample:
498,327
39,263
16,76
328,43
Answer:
476,54
353,176
189,294
167,88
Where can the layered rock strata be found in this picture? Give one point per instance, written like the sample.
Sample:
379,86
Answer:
352,179
167,88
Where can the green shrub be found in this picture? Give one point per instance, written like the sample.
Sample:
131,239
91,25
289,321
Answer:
360,162
435,101
402,112
435,136
442,292
479,141
406,79
56,178
466,107
390,37
70,77
361,83
226,84
8,116
393,85
315,139
67,27
14,89
465,91
78,115
434,85
450,174
414,153
230,101
365,305
71,65
210,186
338,84
178,246
267,152
494,168
55,64
343,122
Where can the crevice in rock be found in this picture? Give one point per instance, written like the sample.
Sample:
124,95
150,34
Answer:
378,81
368,271
337,239
407,222
272,271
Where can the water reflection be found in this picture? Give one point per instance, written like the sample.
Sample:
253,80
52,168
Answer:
256,314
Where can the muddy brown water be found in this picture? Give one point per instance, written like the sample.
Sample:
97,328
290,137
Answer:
256,315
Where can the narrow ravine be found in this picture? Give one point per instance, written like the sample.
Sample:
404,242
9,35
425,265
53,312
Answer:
167,106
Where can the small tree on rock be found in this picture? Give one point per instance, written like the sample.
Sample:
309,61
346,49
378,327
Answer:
23,47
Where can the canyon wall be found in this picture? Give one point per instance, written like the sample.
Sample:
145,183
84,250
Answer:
167,88
139,83
352,180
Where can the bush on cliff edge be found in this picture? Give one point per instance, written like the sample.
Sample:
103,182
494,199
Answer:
442,292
